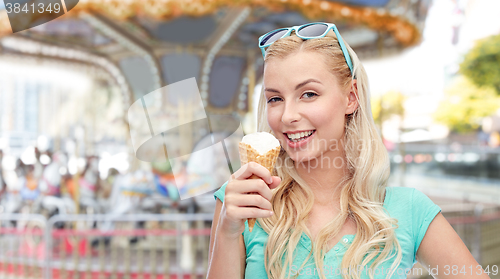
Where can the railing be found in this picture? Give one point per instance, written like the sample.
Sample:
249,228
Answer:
164,246
479,228
21,253
478,225
98,246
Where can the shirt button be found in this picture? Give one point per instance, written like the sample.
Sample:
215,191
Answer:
346,240
336,248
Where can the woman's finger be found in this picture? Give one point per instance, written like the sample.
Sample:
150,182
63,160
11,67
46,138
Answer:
244,187
250,169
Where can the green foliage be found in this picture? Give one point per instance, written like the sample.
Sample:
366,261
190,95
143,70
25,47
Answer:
387,105
482,64
465,105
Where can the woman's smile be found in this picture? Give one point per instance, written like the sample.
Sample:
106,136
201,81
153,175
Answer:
299,139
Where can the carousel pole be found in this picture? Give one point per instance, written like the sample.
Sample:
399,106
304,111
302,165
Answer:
76,177
189,128
180,117
250,93
135,45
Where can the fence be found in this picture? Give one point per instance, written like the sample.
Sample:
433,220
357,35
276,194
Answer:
478,225
479,228
100,246
21,245
163,246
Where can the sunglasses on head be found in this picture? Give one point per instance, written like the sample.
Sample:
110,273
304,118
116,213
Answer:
306,32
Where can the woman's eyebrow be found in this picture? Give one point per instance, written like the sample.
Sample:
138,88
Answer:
271,90
296,87
306,82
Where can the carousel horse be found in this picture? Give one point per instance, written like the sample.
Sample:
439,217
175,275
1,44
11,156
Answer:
89,184
50,186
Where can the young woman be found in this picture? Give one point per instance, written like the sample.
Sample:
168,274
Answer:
325,211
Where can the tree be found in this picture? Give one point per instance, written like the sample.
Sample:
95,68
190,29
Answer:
383,108
465,105
387,105
482,63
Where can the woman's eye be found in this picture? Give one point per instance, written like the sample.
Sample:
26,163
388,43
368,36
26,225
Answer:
274,99
309,95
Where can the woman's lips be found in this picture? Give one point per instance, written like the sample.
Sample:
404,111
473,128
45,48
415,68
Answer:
300,143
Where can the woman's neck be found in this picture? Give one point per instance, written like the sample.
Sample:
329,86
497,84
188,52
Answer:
324,181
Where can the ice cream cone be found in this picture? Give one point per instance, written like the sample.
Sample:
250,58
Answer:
249,154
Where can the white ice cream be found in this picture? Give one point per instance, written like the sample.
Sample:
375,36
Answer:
261,141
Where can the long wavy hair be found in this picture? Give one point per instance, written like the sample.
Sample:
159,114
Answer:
363,186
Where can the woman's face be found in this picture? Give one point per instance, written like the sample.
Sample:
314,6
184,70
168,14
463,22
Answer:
306,106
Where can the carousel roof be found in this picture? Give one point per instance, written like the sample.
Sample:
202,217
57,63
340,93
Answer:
144,45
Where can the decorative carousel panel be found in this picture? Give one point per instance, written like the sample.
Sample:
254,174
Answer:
401,20
225,78
70,31
138,74
182,30
180,66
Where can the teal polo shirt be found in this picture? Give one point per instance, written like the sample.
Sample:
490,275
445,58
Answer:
413,209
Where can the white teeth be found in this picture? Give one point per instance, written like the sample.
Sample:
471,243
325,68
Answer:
299,135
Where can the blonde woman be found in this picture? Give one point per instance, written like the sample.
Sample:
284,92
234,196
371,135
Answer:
325,211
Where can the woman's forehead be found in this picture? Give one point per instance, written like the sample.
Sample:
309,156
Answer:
296,68
300,60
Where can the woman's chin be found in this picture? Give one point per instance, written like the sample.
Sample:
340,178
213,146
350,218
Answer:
302,158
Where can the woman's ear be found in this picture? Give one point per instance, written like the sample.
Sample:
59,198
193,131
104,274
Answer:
352,103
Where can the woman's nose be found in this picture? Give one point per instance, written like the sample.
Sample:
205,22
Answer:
290,114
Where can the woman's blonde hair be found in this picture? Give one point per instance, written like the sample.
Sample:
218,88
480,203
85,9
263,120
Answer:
362,189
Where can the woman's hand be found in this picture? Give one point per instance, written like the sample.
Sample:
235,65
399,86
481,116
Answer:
246,198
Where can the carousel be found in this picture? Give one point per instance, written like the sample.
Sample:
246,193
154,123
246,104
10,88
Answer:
137,47
133,49
141,46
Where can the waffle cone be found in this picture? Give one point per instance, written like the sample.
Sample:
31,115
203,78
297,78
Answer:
249,154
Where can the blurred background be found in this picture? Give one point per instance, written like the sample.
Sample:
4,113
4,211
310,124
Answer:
76,202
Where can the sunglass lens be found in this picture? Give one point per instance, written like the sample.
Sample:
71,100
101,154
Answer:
273,37
313,30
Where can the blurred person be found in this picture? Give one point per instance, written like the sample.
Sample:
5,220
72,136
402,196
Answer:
13,200
29,190
38,166
3,184
54,201
50,182
89,184
325,211
20,170
106,185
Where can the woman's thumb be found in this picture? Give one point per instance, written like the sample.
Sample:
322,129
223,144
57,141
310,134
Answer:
276,182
